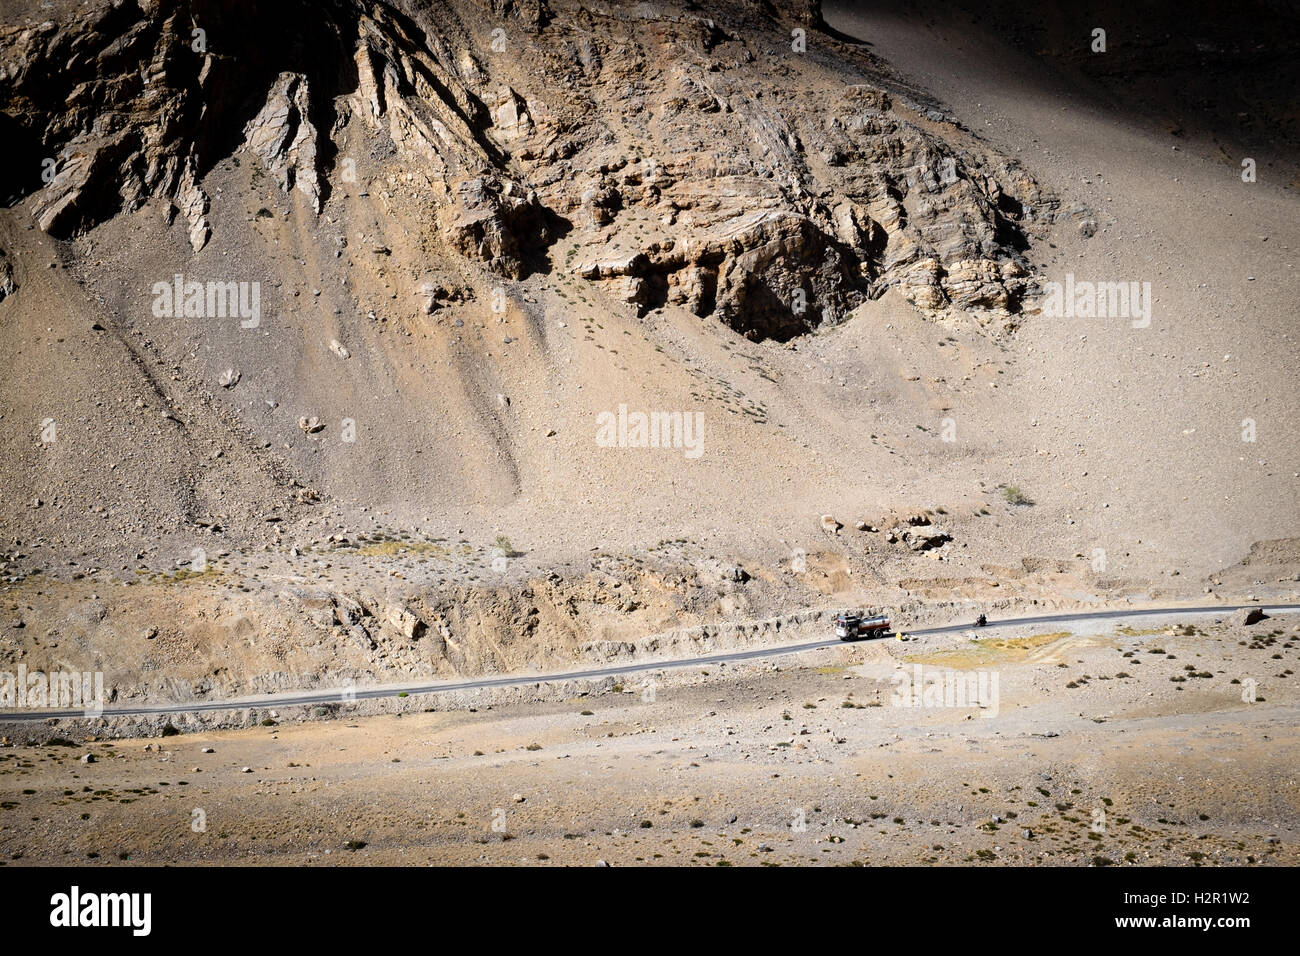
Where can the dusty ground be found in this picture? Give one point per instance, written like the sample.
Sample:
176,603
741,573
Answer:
187,537
1114,745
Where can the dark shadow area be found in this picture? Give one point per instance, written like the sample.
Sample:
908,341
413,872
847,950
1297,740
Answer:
767,315
1226,74
20,161
535,254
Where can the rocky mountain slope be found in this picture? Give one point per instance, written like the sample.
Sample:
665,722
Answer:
713,168
312,310
410,166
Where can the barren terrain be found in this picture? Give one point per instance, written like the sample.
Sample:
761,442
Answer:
1104,745
460,237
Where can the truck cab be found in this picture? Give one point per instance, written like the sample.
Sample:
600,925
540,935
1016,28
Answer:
846,626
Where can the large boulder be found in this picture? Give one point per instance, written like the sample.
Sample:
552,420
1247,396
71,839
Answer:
1244,617
925,538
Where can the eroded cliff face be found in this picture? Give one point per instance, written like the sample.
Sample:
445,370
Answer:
736,162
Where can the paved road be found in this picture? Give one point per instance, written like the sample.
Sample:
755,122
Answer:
337,695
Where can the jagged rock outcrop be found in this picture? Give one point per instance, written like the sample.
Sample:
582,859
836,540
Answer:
192,203
498,223
133,101
760,272
8,284
107,96
694,159
283,136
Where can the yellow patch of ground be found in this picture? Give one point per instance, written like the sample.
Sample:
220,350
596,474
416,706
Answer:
989,650
390,549
210,575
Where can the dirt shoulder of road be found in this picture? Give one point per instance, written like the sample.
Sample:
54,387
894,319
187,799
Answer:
1164,743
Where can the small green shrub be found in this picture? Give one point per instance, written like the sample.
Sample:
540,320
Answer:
1014,496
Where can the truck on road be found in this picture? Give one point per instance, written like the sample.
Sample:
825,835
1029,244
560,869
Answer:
850,626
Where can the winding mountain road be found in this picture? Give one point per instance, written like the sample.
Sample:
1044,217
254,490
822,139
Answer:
342,694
